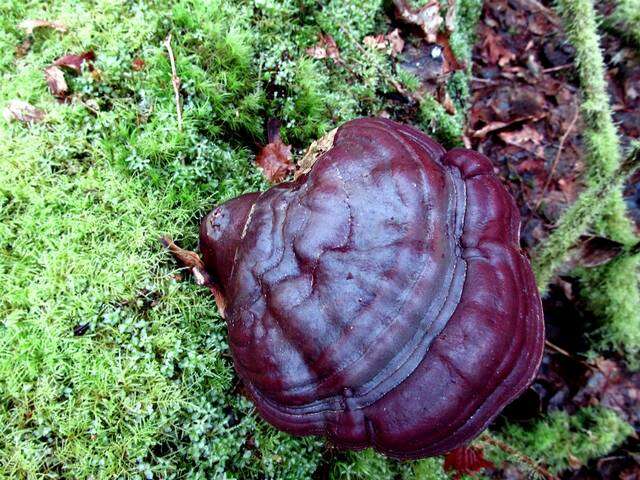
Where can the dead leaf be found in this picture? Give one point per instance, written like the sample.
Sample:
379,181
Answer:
450,17
30,25
427,18
325,48
315,150
74,62
497,125
192,261
22,111
465,460
24,47
593,251
55,79
520,137
275,160
376,42
497,52
445,100
574,462
527,138
392,42
395,41
187,258
275,157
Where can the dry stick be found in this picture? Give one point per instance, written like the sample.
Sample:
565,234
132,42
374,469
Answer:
512,451
175,80
557,68
552,170
562,351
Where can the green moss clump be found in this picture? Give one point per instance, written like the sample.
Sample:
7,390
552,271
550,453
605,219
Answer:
463,36
363,465
144,388
426,469
435,120
561,439
626,15
612,290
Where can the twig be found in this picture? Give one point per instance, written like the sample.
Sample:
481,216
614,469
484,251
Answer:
557,68
556,348
552,170
175,80
512,451
562,351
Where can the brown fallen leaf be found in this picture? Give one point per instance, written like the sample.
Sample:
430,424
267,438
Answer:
527,138
30,25
593,251
275,157
392,42
445,100
450,17
395,41
427,18
497,53
377,42
497,125
192,261
325,48
22,111
55,79
24,47
524,135
315,150
74,62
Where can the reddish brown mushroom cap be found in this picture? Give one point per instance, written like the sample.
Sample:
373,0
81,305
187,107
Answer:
381,299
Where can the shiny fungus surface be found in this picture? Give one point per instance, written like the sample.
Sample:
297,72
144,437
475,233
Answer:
380,299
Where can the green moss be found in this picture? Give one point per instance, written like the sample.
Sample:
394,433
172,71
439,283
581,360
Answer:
363,465
612,291
426,469
435,120
463,36
626,15
449,128
148,389
561,439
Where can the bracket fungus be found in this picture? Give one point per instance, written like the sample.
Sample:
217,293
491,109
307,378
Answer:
381,298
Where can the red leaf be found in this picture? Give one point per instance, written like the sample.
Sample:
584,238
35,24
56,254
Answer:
466,460
55,79
74,62
275,160
137,64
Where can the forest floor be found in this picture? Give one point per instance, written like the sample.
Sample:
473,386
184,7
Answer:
114,364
